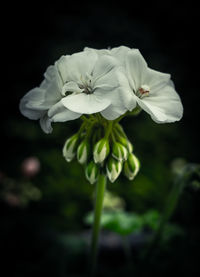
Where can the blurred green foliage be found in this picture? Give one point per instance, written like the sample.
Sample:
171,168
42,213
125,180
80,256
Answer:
126,223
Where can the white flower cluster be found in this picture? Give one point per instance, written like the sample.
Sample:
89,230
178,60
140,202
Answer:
110,82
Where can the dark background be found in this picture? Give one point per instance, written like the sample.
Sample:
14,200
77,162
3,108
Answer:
35,36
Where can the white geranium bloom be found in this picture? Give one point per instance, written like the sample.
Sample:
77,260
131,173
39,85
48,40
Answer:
83,83
40,101
152,90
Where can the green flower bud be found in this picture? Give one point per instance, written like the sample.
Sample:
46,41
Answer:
83,152
92,172
126,143
113,169
101,150
131,166
119,152
70,146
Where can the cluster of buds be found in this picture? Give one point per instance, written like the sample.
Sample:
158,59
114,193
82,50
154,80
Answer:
104,150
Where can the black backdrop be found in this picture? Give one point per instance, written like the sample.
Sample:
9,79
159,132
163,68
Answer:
34,36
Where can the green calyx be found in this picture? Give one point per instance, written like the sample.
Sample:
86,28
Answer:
126,143
119,152
92,172
113,169
131,166
101,150
83,152
70,147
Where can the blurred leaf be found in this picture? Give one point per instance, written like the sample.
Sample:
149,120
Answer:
151,219
122,223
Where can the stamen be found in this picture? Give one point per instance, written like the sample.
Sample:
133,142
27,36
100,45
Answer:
143,91
86,84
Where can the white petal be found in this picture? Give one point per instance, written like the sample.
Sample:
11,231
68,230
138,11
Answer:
104,65
163,106
50,73
112,112
52,76
98,51
65,115
29,113
117,107
45,124
35,99
127,94
136,68
85,103
120,53
59,113
155,80
30,104
61,67
75,67
40,99
117,91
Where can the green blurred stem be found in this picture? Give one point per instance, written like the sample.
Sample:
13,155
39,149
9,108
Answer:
170,207
100,189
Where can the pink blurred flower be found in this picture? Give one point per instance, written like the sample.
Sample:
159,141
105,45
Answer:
30,166
12,200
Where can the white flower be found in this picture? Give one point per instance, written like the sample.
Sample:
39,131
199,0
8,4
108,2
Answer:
152,90
43,102
83,83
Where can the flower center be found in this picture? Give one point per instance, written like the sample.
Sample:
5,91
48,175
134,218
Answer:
86,84
143,91
86,89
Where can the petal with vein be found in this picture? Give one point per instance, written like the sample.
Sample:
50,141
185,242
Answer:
75,67
104,65
115,87
45,124
85,103
136,68
59,113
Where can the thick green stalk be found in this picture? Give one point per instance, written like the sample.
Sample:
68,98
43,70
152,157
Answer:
100,189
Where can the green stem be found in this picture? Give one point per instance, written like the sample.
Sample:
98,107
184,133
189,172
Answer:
119,118
108,129
113,136
84,118
120,131
100,189
82,128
